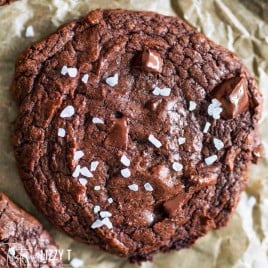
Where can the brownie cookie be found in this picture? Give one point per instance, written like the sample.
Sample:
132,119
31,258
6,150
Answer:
5,2
23,240
135,132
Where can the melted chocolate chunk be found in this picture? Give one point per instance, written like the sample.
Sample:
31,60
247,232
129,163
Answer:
175,205
151,61
118,136
233,95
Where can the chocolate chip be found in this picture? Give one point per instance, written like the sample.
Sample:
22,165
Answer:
153,104
233,96
173,206
118,136
151,61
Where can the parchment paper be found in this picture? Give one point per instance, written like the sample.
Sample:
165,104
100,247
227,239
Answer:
242,26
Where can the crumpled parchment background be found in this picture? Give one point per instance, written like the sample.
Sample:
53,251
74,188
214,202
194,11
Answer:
241,26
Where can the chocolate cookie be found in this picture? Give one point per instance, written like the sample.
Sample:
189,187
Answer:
23,240
135,132
5,2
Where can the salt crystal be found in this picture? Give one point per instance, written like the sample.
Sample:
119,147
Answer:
215,109
154,141
85,78
94,165
61,132
148,187
192,106
133,187
64,70
107,223
181,140
11,252
78,155
125,161
76,171
206,128
85,172
76,263
67,111
83,181
97,188
97,224
96,209
112,80
165,92
29,31
110,200
218,144
72,72
177,166
156,91
96,120
125,172
105,214
211,159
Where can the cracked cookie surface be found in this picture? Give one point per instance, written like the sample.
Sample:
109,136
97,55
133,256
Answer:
135,132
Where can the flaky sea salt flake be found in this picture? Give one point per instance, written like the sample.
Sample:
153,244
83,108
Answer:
206,128
64,70
148,187
211,159
77,263
61,132
133,187
112,80
192,106
97,120
29,31
68,111
96,209
107,223
94,165
181,140
76,171
97,224
85,172
85,78
218,144
110,200
83,181
177,166
154,141
125,172
105,214
97,188
125,160
72,71
78,155
215,109
165,92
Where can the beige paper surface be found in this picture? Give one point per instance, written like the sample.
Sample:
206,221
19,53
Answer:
241,26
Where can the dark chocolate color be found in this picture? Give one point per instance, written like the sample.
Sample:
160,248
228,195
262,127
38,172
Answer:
184,204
